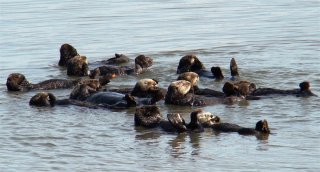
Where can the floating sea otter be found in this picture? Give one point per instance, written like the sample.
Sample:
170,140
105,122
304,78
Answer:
143,88
303,91
191,63
76,65
116,60
142,63
87,94
180,93
18,82
261,128
193,78
249,90
150,117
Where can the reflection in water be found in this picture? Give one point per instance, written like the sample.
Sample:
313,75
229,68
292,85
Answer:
178,147
146,134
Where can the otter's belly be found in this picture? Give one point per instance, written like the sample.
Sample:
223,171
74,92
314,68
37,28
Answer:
109,98
226,127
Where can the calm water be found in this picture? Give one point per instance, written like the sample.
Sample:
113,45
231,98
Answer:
276,44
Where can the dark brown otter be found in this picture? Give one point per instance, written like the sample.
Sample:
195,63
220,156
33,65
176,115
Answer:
191,63
66,53
261,128
117,59
234,68
142,63
303,91
240,88
45,99
89,92
198,120
18,82
150,117
147,116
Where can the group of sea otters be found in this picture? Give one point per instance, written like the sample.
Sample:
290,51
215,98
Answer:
87,91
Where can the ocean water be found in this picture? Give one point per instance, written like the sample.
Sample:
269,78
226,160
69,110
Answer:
276,44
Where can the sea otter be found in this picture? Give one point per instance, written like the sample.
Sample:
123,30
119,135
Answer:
303,91
116,60
150,117
143,88
18,82
109,100
88,94
180,93
76,64
193,78
261,128
142,63
45,99
240,88
191,63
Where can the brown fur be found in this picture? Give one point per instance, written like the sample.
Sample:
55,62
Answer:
189,63
66,53
77,66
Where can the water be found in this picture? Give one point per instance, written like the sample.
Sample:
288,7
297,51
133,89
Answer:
276,44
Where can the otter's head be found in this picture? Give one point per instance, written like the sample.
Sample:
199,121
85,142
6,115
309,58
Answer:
78,66
180,87
147,116
217,73
189,63
229,89
244,88
142,62
43,99
66,53
145,88
234,67
207,119
192,77
178,90
17,82
262,126
304,86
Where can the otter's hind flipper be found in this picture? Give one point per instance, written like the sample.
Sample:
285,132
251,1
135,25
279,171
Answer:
177,122
234,68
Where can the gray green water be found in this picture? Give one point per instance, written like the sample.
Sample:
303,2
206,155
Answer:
276,44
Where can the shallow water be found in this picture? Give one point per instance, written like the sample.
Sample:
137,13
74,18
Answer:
276,44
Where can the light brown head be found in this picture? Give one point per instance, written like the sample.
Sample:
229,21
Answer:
192,77
145,87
